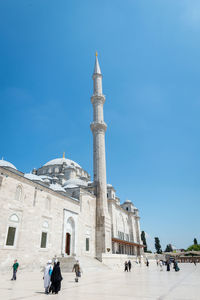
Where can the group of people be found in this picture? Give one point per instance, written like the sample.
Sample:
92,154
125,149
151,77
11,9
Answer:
161,263
52,276
127,266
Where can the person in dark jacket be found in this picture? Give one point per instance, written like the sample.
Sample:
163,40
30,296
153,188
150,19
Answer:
176,268
129,265
147,263
126,266
56,278
168,265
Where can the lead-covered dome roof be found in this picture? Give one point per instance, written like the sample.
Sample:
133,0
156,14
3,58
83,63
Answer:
60,161
33,177
75,182
4,163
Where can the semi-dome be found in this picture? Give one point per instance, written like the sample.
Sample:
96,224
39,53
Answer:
60,161
57,187
45,177
71,186
109,185
4,163
75,181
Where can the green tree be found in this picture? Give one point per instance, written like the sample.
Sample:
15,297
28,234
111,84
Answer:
195,241
194,248
143,238
169,248
158,246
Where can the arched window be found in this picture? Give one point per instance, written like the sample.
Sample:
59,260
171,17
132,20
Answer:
18,193
12,229
44,235
14,218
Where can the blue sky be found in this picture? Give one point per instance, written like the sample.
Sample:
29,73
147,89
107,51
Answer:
149,57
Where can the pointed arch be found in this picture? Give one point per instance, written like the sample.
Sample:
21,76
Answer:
70,236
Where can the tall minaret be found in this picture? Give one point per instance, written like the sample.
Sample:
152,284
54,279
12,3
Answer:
98,127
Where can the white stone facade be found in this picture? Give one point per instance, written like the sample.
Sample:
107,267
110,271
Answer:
57,211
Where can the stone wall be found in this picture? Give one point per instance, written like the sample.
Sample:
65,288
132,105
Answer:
38,210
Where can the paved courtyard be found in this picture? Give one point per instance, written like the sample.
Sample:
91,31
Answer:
142,283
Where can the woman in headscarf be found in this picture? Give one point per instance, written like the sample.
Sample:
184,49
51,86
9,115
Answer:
47,276
56,278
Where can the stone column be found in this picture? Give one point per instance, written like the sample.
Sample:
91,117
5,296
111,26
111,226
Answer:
98,127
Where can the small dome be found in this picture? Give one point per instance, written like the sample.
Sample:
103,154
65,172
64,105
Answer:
128,201
4,163
60,161
33,177
46,180
57,187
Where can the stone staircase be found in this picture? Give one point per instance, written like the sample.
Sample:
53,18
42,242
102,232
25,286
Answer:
87,264
66,263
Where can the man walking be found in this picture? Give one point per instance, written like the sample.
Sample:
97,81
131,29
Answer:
77,270
15,268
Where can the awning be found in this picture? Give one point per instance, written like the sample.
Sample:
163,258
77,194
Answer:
127,243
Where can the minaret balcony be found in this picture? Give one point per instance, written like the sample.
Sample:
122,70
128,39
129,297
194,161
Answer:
98,98
96,126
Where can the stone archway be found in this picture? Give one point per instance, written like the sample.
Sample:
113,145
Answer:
70,237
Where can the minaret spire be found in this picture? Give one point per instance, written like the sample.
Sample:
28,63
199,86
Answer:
97,69
98,127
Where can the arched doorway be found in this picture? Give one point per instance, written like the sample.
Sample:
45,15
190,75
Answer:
67,243
70,237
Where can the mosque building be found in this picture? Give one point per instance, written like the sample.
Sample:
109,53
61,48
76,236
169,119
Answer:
57,211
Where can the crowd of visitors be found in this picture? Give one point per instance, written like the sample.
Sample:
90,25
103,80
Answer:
161,263
52,273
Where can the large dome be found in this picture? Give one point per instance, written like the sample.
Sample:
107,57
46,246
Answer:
60,161
4,163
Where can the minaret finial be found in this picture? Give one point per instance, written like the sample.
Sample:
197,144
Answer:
63,154
97,69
